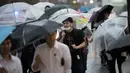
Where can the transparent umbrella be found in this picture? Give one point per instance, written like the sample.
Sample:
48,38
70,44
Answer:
108,32
42,5
13,13
79,19
37,10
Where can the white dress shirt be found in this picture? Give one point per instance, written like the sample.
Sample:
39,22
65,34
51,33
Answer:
126,66
13,65
51,58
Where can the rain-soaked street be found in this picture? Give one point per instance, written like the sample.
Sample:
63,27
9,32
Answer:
94,65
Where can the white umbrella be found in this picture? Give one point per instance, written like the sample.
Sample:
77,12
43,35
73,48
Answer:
61,17
37,10
80,20
119,22
61,12
33,13
42,5
112,35
13,13
18,6
110,30
124,13
87,15
115,30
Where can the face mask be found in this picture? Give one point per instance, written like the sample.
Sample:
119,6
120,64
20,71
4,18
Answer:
68,29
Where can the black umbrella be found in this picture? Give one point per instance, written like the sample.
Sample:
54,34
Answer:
121,45
30,32
52,10
100,14
106,9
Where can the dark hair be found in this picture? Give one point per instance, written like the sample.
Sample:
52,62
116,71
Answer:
47,7
69,19
9,37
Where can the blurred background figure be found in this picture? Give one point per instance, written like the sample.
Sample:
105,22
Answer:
9,63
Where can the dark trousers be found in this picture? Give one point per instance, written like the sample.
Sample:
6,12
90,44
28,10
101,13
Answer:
79,66
103,57
111,63
85,53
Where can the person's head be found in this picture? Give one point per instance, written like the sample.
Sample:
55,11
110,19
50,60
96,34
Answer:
47,8
51,38
68,24
6,46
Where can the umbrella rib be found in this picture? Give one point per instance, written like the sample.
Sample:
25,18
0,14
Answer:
24,37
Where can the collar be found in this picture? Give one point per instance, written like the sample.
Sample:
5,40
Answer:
70,32
10,56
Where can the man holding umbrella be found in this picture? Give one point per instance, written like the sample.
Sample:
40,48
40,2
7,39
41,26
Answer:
52,56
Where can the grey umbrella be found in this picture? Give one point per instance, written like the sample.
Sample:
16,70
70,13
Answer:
32,31
121,45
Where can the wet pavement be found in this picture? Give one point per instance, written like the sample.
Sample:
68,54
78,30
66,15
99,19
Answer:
94,64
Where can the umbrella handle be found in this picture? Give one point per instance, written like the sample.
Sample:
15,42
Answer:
24,38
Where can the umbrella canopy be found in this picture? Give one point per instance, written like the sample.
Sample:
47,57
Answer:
107,32
37,10
121,45
87,15
5,31
114,30
93,13
80,20
124,14
119,22
112,35
33,13
33,31
62,11
100,14
106,8
13,13
52,10
42,5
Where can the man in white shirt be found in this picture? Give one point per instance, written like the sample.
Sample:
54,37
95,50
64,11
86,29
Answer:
8,62
52,57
